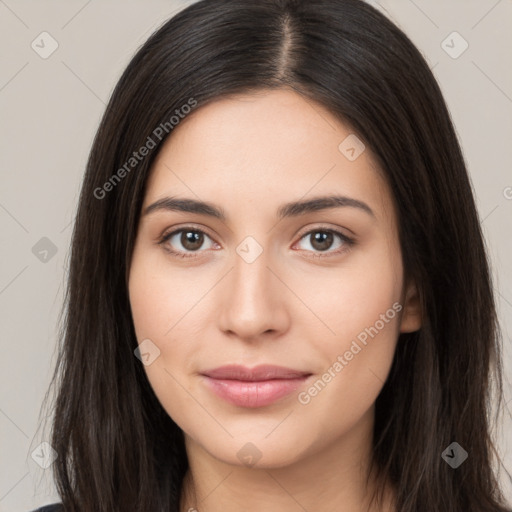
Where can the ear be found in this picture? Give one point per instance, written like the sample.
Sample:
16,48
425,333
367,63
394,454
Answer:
411,315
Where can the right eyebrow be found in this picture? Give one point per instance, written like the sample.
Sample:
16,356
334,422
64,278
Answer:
186,205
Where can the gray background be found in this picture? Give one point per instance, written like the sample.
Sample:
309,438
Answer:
51,108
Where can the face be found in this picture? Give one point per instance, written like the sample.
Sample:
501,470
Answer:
316,288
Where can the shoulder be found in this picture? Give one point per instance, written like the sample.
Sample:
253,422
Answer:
56,507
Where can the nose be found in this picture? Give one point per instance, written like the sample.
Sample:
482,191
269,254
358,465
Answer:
253,301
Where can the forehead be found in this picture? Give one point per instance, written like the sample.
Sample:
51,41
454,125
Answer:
255,150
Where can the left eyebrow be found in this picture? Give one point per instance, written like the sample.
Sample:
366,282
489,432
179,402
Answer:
297,208
292,209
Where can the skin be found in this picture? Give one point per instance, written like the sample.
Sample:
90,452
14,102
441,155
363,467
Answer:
249,154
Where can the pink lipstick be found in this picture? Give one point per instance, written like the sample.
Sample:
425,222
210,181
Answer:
253,387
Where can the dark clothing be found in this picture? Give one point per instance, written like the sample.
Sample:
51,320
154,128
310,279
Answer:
56,507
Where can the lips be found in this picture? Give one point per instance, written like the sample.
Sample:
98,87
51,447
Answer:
253,387
258,373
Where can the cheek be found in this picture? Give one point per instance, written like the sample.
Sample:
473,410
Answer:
162,299
361,308
165,305
159,312
356,363
354,296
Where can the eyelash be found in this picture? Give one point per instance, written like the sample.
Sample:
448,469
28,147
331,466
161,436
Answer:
348,242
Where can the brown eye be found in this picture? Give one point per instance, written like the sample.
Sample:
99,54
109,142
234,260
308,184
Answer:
185,242
191,240
321,240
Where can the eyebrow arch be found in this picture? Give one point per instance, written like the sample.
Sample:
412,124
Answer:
293,209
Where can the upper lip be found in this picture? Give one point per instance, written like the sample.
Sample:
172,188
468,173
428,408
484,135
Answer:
258,373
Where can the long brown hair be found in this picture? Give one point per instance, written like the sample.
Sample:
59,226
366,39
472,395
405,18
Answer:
118,450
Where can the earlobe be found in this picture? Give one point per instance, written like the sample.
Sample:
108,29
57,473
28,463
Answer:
411,316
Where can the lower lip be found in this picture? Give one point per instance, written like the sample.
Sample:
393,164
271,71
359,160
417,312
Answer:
253,394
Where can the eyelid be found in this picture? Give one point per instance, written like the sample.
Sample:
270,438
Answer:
190,226
324,227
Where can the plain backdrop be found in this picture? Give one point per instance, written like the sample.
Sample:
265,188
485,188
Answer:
51,105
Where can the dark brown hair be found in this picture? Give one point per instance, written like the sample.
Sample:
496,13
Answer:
118,450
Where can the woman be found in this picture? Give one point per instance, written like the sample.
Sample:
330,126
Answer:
279,297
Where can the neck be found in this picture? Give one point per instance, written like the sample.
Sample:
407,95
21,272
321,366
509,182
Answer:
332,478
